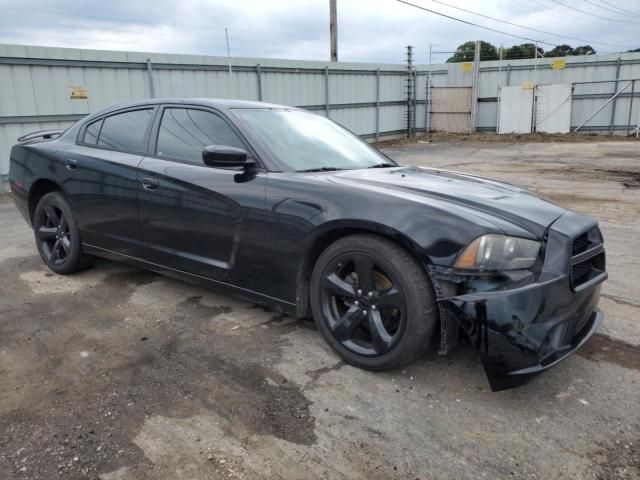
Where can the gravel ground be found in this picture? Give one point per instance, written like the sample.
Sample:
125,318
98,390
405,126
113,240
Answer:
116,373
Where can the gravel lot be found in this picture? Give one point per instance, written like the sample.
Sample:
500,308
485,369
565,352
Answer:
116,373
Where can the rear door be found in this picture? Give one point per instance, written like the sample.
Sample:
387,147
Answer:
194,218
101,179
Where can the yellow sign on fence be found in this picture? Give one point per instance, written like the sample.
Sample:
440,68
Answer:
467,67
78,93
558,64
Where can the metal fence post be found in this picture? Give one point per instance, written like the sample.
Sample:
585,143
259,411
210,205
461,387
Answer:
152,90
409,112
615,89
415,101
427,102
259,78
474,87
326,91
377,104
633,89
508,75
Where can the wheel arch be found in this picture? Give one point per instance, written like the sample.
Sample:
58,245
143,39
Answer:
39,189
330,233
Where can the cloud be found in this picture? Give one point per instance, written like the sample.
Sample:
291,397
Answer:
369,30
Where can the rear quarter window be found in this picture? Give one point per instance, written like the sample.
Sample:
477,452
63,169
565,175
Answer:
125,131
91,133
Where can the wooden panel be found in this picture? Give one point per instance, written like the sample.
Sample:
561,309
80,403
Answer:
451,99
450,109
450,122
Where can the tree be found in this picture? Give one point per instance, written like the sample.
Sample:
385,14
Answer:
466,52
634,50
583,50
526,50
560,51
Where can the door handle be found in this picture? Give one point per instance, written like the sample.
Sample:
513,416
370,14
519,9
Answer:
150,183
71,163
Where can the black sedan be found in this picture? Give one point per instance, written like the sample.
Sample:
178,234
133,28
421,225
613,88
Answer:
290,210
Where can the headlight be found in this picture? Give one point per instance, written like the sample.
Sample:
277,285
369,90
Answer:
498,252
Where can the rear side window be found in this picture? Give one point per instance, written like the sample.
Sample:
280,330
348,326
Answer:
184,132
92,132
125,131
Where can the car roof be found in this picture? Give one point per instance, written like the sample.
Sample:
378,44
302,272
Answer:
219,103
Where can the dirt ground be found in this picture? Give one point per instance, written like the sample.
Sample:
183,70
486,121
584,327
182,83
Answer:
121,374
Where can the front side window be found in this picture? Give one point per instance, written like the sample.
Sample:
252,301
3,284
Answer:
305,141
125,131
184,132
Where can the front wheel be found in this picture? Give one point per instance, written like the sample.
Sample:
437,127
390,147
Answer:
57,236
373,302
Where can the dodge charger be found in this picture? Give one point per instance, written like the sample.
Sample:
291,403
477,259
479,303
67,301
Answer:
290,210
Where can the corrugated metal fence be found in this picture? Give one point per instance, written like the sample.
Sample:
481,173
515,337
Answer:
37,85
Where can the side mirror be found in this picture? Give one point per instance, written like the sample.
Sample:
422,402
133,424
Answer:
223,156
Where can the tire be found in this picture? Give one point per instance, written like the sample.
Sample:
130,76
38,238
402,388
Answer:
373,302
57,236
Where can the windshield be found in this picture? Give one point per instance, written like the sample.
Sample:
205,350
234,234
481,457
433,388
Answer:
307,142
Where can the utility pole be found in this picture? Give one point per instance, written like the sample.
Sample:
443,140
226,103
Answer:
333,29
226,34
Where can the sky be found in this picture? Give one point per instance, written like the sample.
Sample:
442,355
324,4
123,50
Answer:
368,31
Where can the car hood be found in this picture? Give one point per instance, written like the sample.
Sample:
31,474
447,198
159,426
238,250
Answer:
504,201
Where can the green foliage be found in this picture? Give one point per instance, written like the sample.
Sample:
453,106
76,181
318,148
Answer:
583,50
466,52
525,50
560,51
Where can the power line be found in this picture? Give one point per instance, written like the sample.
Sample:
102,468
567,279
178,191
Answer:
580,17
556,7
597,5
526,28
601,29
475,24
635,14
592,14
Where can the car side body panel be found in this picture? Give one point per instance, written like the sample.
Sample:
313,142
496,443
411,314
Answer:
205,221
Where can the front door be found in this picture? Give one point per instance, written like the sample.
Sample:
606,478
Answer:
194,218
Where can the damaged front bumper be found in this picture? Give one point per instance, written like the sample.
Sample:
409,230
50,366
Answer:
524,323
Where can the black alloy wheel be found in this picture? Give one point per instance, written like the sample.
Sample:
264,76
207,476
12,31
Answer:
57,236
364,308
53,235
373,302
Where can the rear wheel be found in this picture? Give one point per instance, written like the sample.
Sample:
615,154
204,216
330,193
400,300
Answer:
57,236
373,302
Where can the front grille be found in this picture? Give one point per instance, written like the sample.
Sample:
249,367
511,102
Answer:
587,257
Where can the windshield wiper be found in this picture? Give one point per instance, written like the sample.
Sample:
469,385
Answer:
321,169
383,165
